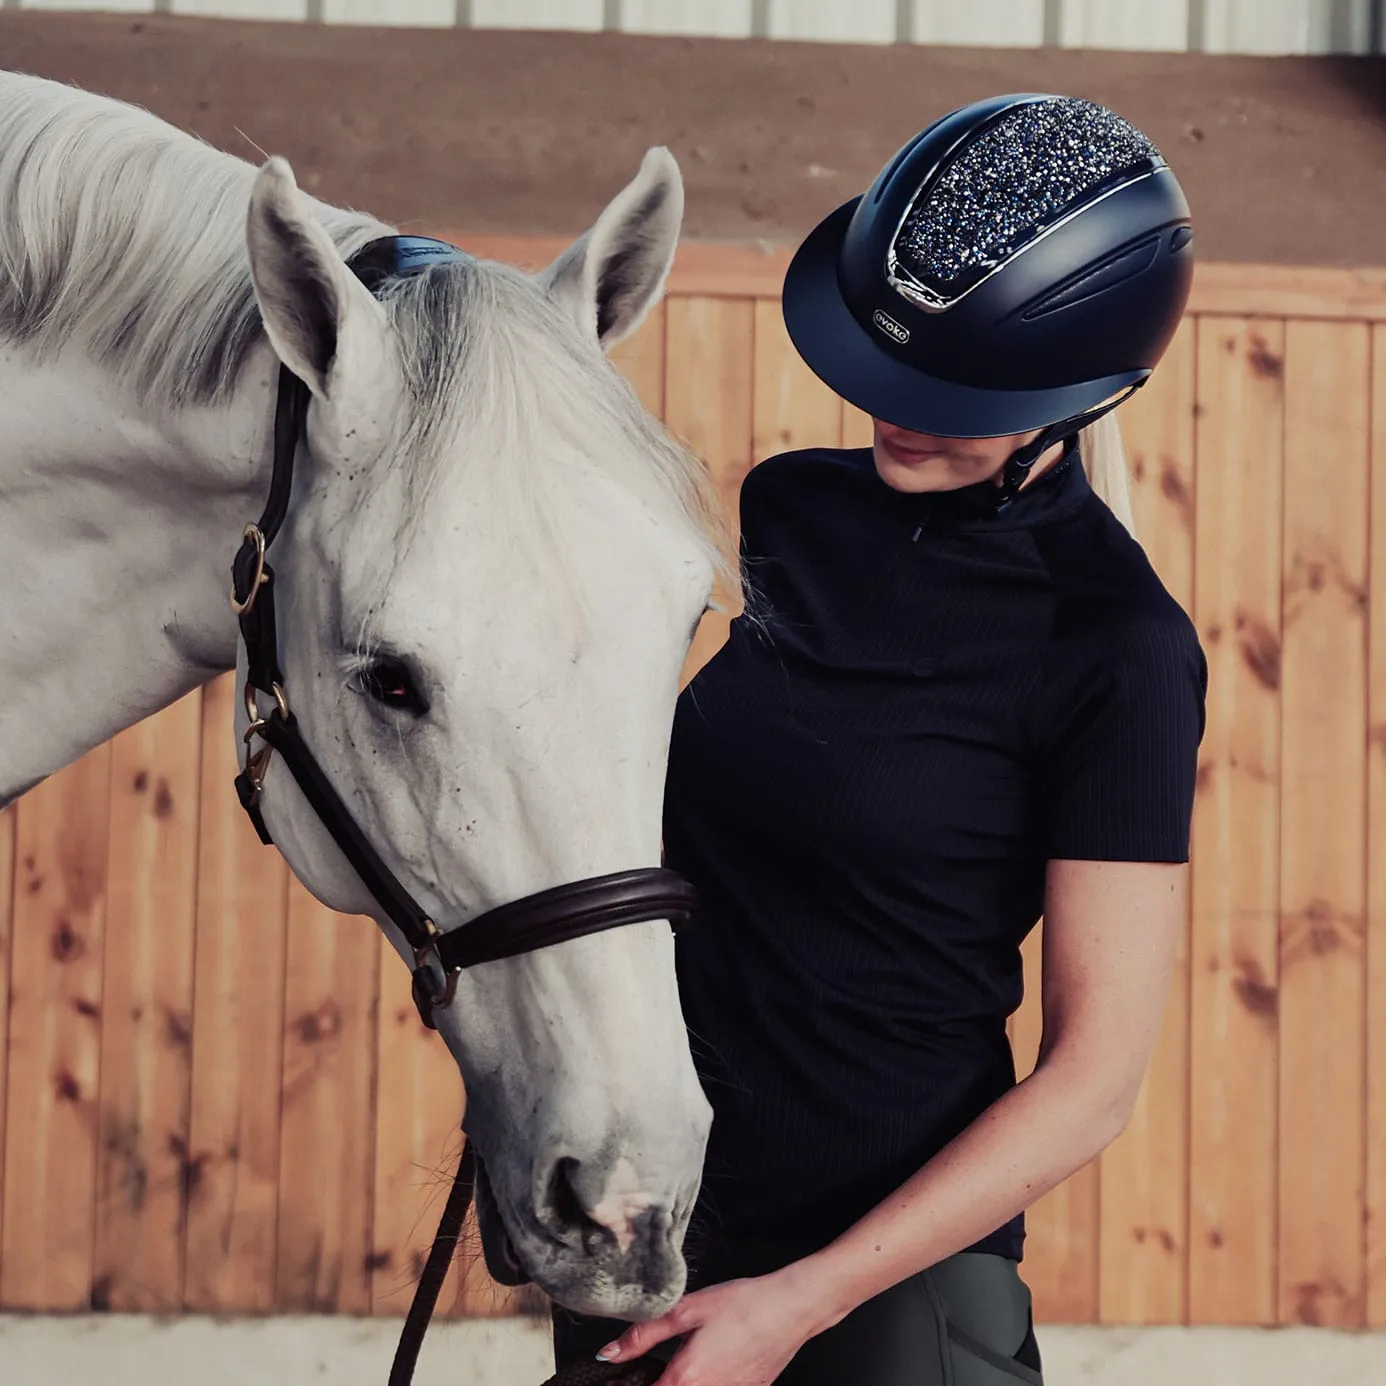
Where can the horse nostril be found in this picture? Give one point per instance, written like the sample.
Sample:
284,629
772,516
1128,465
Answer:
571,1217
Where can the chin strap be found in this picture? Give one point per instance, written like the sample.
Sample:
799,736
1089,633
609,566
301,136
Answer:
1018,464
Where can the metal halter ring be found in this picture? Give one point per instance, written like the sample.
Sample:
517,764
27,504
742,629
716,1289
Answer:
253,535
426,959
252,709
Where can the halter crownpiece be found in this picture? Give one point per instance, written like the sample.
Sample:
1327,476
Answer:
399,257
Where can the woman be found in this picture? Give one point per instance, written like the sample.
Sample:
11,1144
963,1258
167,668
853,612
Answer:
960,698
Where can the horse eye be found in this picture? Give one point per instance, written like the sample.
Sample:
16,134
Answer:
391,683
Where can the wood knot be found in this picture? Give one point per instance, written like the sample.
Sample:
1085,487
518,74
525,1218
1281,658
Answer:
177,1028
67,943
325,1023
1262,360
191,1168
1174,488
1259,647
1257,995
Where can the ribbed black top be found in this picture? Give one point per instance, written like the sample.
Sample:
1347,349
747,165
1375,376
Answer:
865,788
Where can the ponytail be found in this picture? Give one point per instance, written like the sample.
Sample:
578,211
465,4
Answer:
1104,460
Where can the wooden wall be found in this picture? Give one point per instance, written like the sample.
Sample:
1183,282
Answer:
215,1095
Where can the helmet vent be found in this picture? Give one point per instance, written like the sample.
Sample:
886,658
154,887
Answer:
1115,269
1031,167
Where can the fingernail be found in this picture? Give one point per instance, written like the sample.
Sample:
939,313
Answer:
609,1353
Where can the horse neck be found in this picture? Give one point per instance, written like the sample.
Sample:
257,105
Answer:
117,523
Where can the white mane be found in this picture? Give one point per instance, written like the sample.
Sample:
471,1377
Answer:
127,237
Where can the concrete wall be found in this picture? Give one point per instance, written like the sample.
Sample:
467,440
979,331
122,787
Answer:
119,1350
1213,26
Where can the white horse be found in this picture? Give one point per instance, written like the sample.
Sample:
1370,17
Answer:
490,574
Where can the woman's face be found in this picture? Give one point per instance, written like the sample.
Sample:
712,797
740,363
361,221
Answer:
921,462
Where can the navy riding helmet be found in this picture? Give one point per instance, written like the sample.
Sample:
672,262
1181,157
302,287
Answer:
1021,264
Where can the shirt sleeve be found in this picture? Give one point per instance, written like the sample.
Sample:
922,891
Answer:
1116,780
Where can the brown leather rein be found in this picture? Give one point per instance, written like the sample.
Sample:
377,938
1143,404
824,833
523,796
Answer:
537,921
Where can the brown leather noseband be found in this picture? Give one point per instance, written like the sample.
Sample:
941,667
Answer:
537,921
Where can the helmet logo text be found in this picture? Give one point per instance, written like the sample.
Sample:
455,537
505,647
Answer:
890,327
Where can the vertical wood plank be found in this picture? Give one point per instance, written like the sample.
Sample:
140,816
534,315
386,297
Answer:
857,428
238,1006
7,818
792,408
54,1050
1234,1056
640,358
1061,1229
1376,854
327,1125
418,1118
708,397
1322,844
1144,1218
146,1012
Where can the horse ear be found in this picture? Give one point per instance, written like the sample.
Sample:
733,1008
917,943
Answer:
307,295
614,273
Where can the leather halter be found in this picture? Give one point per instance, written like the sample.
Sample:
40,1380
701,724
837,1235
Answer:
537,921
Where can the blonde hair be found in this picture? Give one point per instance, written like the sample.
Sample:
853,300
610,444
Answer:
1104,460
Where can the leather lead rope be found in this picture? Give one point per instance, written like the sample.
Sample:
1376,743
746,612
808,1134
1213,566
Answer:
435,1270
639,1373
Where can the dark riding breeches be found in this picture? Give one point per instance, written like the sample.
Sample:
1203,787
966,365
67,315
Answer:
963,1322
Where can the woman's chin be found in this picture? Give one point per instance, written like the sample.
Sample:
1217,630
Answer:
913,474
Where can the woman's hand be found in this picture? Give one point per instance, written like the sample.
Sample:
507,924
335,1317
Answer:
741,1333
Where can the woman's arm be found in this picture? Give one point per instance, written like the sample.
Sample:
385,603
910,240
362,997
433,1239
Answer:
1110,933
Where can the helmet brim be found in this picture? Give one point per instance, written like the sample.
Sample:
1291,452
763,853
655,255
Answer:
853,364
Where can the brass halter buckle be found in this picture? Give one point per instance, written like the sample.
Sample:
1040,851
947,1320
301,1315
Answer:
253,535
257,761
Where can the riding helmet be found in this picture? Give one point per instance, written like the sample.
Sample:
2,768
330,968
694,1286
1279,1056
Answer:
1020,264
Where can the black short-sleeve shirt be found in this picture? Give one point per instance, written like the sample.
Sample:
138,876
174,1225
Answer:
926,703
